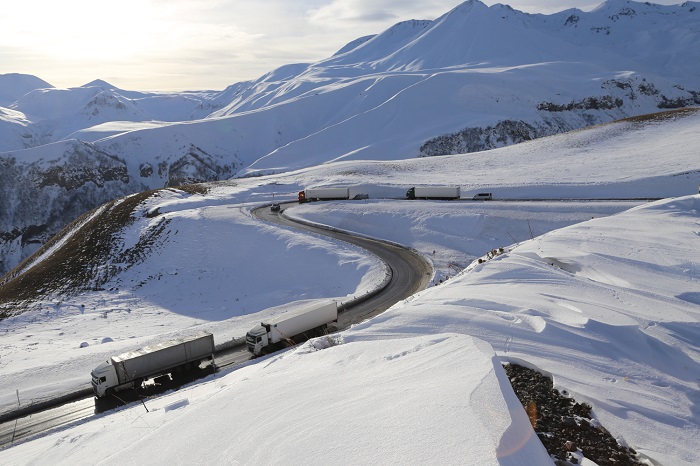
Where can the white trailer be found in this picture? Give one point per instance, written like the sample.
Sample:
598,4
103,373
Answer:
324,194
433,192
131,369
291,327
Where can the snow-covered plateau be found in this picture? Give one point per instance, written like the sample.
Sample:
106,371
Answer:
476,78
602,295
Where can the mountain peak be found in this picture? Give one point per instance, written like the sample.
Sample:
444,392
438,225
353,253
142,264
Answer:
467,7
99,83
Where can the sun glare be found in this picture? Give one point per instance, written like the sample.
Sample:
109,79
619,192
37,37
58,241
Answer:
84,29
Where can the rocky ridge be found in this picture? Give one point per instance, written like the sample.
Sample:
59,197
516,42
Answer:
566,428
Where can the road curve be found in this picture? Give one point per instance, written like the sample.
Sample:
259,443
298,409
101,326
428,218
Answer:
410,273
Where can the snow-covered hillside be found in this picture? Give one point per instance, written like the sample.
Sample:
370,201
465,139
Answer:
604,299
15,85
58,114
476,78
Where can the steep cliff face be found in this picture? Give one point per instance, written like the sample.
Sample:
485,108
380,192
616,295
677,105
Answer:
618,98
40,196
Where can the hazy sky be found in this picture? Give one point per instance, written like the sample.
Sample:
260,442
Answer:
198,44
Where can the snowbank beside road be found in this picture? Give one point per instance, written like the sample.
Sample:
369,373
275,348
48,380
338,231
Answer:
453,234
609,306
401,400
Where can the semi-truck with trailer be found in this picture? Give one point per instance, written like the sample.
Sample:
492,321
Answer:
291,327
323,194
131,369
433,192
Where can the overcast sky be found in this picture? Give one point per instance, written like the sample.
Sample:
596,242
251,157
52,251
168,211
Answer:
198,44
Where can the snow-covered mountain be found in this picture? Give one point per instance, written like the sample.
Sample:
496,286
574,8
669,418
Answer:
15,85
476,78
58,114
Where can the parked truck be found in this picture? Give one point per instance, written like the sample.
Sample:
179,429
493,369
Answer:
291,327
131,369
433,192
323,194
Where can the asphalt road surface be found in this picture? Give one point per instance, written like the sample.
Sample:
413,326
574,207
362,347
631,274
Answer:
410,271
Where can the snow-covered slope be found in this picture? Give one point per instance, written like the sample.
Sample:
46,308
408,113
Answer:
144,251
608,306
59,113
15,85
479,67
363,403
476,78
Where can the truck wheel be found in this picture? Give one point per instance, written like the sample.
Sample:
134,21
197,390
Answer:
178,372
109,392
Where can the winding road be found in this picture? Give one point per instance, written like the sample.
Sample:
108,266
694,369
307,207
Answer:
410,273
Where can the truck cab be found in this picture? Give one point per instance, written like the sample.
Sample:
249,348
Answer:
104,377
256,339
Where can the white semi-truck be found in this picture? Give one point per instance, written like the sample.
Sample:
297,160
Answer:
433,192
291,327
323,194
131,369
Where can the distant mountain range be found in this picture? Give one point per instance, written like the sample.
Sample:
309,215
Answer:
476,78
